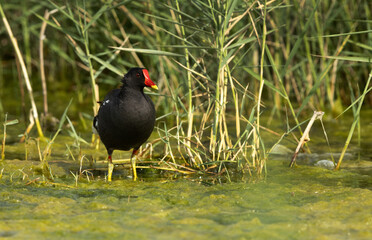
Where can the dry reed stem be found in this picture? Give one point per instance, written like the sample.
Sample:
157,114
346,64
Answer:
305,137
41,58
22,91
29,127
24,71
125,36
4,139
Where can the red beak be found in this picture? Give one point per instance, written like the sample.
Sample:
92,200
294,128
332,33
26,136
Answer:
148,81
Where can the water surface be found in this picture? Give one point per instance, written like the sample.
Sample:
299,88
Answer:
305,202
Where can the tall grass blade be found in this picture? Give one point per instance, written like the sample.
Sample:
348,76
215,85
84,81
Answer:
355,122
148,51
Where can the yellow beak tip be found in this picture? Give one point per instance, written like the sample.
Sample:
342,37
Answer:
154,87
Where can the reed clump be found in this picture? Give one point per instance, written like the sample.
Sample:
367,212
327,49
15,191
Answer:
220,66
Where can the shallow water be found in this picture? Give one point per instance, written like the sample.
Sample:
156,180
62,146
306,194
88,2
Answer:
301,203
305,202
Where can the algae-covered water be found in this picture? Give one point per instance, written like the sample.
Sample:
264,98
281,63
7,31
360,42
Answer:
305,202
301,203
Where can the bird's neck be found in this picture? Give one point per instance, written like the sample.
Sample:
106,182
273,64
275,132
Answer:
125,90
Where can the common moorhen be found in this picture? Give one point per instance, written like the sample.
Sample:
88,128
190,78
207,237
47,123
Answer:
126,117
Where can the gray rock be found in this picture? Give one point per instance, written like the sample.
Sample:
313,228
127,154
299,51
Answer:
327,164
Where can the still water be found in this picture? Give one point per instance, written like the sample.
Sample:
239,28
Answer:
305,202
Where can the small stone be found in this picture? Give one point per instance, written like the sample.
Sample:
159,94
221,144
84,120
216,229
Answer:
327,164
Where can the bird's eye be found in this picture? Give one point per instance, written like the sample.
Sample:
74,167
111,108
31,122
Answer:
138,75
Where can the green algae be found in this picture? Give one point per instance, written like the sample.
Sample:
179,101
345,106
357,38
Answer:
305,202
301,203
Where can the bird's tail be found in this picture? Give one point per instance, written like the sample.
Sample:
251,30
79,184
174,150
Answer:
95,125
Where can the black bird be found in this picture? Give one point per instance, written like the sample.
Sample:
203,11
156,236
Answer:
126,117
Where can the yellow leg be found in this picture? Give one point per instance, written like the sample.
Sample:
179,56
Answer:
133,163
110,168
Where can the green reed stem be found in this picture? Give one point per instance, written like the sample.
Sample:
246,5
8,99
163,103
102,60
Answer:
356,120
257,156
190,115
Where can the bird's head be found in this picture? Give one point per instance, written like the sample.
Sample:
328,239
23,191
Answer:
138,78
